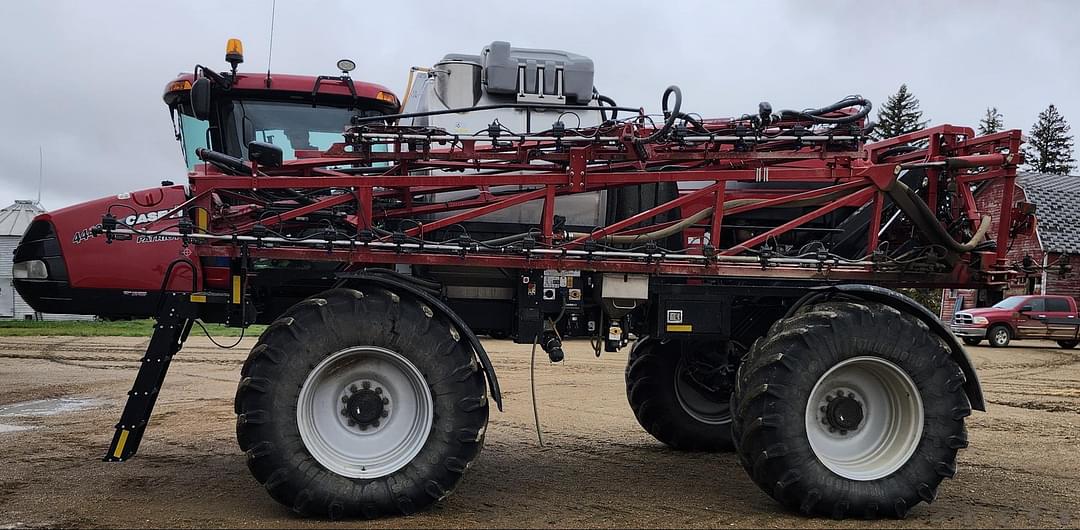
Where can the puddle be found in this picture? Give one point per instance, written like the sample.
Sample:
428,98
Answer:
4,428
47,407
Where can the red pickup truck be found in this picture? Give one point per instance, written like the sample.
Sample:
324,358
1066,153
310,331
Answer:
1020,317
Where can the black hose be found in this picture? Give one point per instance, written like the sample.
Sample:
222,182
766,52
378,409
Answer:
602,99
168,275
817,115
669,116
429,285
920,214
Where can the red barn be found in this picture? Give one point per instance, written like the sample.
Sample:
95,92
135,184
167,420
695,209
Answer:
1045,258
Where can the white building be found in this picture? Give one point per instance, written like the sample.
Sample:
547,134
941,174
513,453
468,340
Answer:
13,222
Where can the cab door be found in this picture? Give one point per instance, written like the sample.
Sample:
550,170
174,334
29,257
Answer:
1031,321
1060,320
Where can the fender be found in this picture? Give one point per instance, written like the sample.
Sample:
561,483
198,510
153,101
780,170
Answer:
873,293
392,284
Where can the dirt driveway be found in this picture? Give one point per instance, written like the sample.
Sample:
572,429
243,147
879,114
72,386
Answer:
598,467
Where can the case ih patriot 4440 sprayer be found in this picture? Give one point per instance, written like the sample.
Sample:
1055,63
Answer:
747,262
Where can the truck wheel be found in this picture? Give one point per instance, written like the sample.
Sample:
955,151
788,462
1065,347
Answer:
670,406
971,341
360,404
999,336
850,409
1068,344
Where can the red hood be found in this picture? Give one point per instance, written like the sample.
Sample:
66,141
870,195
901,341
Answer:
984,311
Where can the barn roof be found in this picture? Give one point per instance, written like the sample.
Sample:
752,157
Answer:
1057,200
15,218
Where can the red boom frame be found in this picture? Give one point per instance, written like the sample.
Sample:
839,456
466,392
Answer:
545,167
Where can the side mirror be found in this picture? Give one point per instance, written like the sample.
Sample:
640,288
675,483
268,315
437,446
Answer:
265,154
200,98
1026,309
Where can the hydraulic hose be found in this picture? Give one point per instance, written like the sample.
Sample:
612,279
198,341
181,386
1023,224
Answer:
920,214
669,116
673,229
817,115
603,100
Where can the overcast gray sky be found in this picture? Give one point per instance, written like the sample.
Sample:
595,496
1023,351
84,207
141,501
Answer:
83,79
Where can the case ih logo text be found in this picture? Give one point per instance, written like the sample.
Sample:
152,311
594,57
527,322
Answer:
132,220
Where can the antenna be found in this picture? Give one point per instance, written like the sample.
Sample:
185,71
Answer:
270,52
41,172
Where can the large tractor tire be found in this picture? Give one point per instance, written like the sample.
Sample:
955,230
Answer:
669,405
360,404
850,409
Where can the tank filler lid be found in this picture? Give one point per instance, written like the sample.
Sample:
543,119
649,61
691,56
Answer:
503,67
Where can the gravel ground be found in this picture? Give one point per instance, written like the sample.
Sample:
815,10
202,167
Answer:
597,468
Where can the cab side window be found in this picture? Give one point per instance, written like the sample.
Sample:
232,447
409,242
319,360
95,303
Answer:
1057,305
1037,304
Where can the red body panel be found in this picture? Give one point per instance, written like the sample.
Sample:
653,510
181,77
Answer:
290,83
136,265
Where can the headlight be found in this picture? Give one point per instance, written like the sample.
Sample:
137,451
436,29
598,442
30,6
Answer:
30,270
979,320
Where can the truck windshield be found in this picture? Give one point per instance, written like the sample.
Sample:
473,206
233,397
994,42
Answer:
1011,302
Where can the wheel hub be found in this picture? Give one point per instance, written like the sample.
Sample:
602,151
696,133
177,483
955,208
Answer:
844,412
365,406
365,412
864,418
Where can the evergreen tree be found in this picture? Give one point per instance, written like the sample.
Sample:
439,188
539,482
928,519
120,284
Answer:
991,122
899,115
1050,146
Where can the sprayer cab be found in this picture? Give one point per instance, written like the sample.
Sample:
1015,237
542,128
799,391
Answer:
303,115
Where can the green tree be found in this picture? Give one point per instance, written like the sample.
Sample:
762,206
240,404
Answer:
899,115
991,122
1050,146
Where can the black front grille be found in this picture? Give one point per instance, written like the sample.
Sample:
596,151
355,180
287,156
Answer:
963,318
40,242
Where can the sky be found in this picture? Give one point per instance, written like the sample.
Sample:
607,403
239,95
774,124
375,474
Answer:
83,79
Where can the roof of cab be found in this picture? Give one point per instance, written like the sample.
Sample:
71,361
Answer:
287,83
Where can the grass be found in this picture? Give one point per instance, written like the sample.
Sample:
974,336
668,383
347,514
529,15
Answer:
126,328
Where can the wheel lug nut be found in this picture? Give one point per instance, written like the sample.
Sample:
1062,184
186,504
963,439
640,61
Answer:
385,413
352,388
344,399
840,393
367,385
375,423
385,401
824,409
828,398
851,395
378,390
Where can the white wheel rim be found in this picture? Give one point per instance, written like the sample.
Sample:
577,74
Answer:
698,405
375,440
891,418
1000,336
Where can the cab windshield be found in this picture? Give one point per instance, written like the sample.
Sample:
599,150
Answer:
291,126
